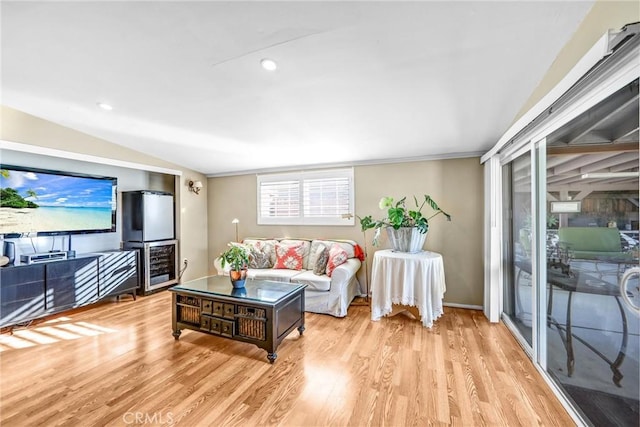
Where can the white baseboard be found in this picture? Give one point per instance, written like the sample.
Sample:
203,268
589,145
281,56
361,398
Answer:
467,306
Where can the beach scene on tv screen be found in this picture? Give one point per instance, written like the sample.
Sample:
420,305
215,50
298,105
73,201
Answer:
46,202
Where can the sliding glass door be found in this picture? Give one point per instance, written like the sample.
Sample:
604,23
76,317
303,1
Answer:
592,347
571,244
566,260
517,232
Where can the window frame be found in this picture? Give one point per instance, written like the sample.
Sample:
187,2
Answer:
346,219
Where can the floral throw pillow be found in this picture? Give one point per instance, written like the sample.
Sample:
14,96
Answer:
337,256
259,257
289,256
322,257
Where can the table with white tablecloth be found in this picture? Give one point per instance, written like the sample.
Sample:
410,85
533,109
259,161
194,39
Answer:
414,280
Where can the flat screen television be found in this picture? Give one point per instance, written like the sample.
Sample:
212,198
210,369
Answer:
48,202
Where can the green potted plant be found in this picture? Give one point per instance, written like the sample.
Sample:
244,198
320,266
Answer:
406,228
237,257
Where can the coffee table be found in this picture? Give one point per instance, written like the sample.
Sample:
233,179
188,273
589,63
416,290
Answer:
262,313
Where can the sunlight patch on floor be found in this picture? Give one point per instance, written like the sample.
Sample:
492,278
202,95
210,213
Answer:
80,330
49,332
325,382
36,337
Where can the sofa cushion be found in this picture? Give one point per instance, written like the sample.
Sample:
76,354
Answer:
259,258
348,246
337,256
313,281
322,257
265,245
271,274
306,247
289,256
313,251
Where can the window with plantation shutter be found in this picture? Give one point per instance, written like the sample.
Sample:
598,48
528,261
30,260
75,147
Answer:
280,199
306,198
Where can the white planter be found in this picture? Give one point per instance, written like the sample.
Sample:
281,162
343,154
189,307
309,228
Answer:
406,239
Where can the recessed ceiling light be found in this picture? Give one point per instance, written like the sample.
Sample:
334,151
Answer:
269,64
105,106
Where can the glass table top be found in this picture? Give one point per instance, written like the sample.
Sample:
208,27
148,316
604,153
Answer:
254,290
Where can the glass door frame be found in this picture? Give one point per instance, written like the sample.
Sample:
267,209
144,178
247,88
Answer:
537,351
538,155
506,158
539,250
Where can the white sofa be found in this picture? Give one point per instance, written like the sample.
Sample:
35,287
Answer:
323,294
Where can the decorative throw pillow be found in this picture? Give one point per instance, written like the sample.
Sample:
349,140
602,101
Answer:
264,245
289,256
321,256
337,256
259,257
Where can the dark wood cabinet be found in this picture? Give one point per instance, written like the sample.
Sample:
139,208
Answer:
118,273
21,293
28,292
71,283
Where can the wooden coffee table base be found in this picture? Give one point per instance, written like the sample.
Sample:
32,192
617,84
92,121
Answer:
264,324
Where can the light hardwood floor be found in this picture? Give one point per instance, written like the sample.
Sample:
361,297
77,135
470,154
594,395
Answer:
117,364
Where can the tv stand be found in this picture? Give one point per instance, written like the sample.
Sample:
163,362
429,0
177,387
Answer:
31,291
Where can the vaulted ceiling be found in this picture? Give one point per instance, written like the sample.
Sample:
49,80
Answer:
356,82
